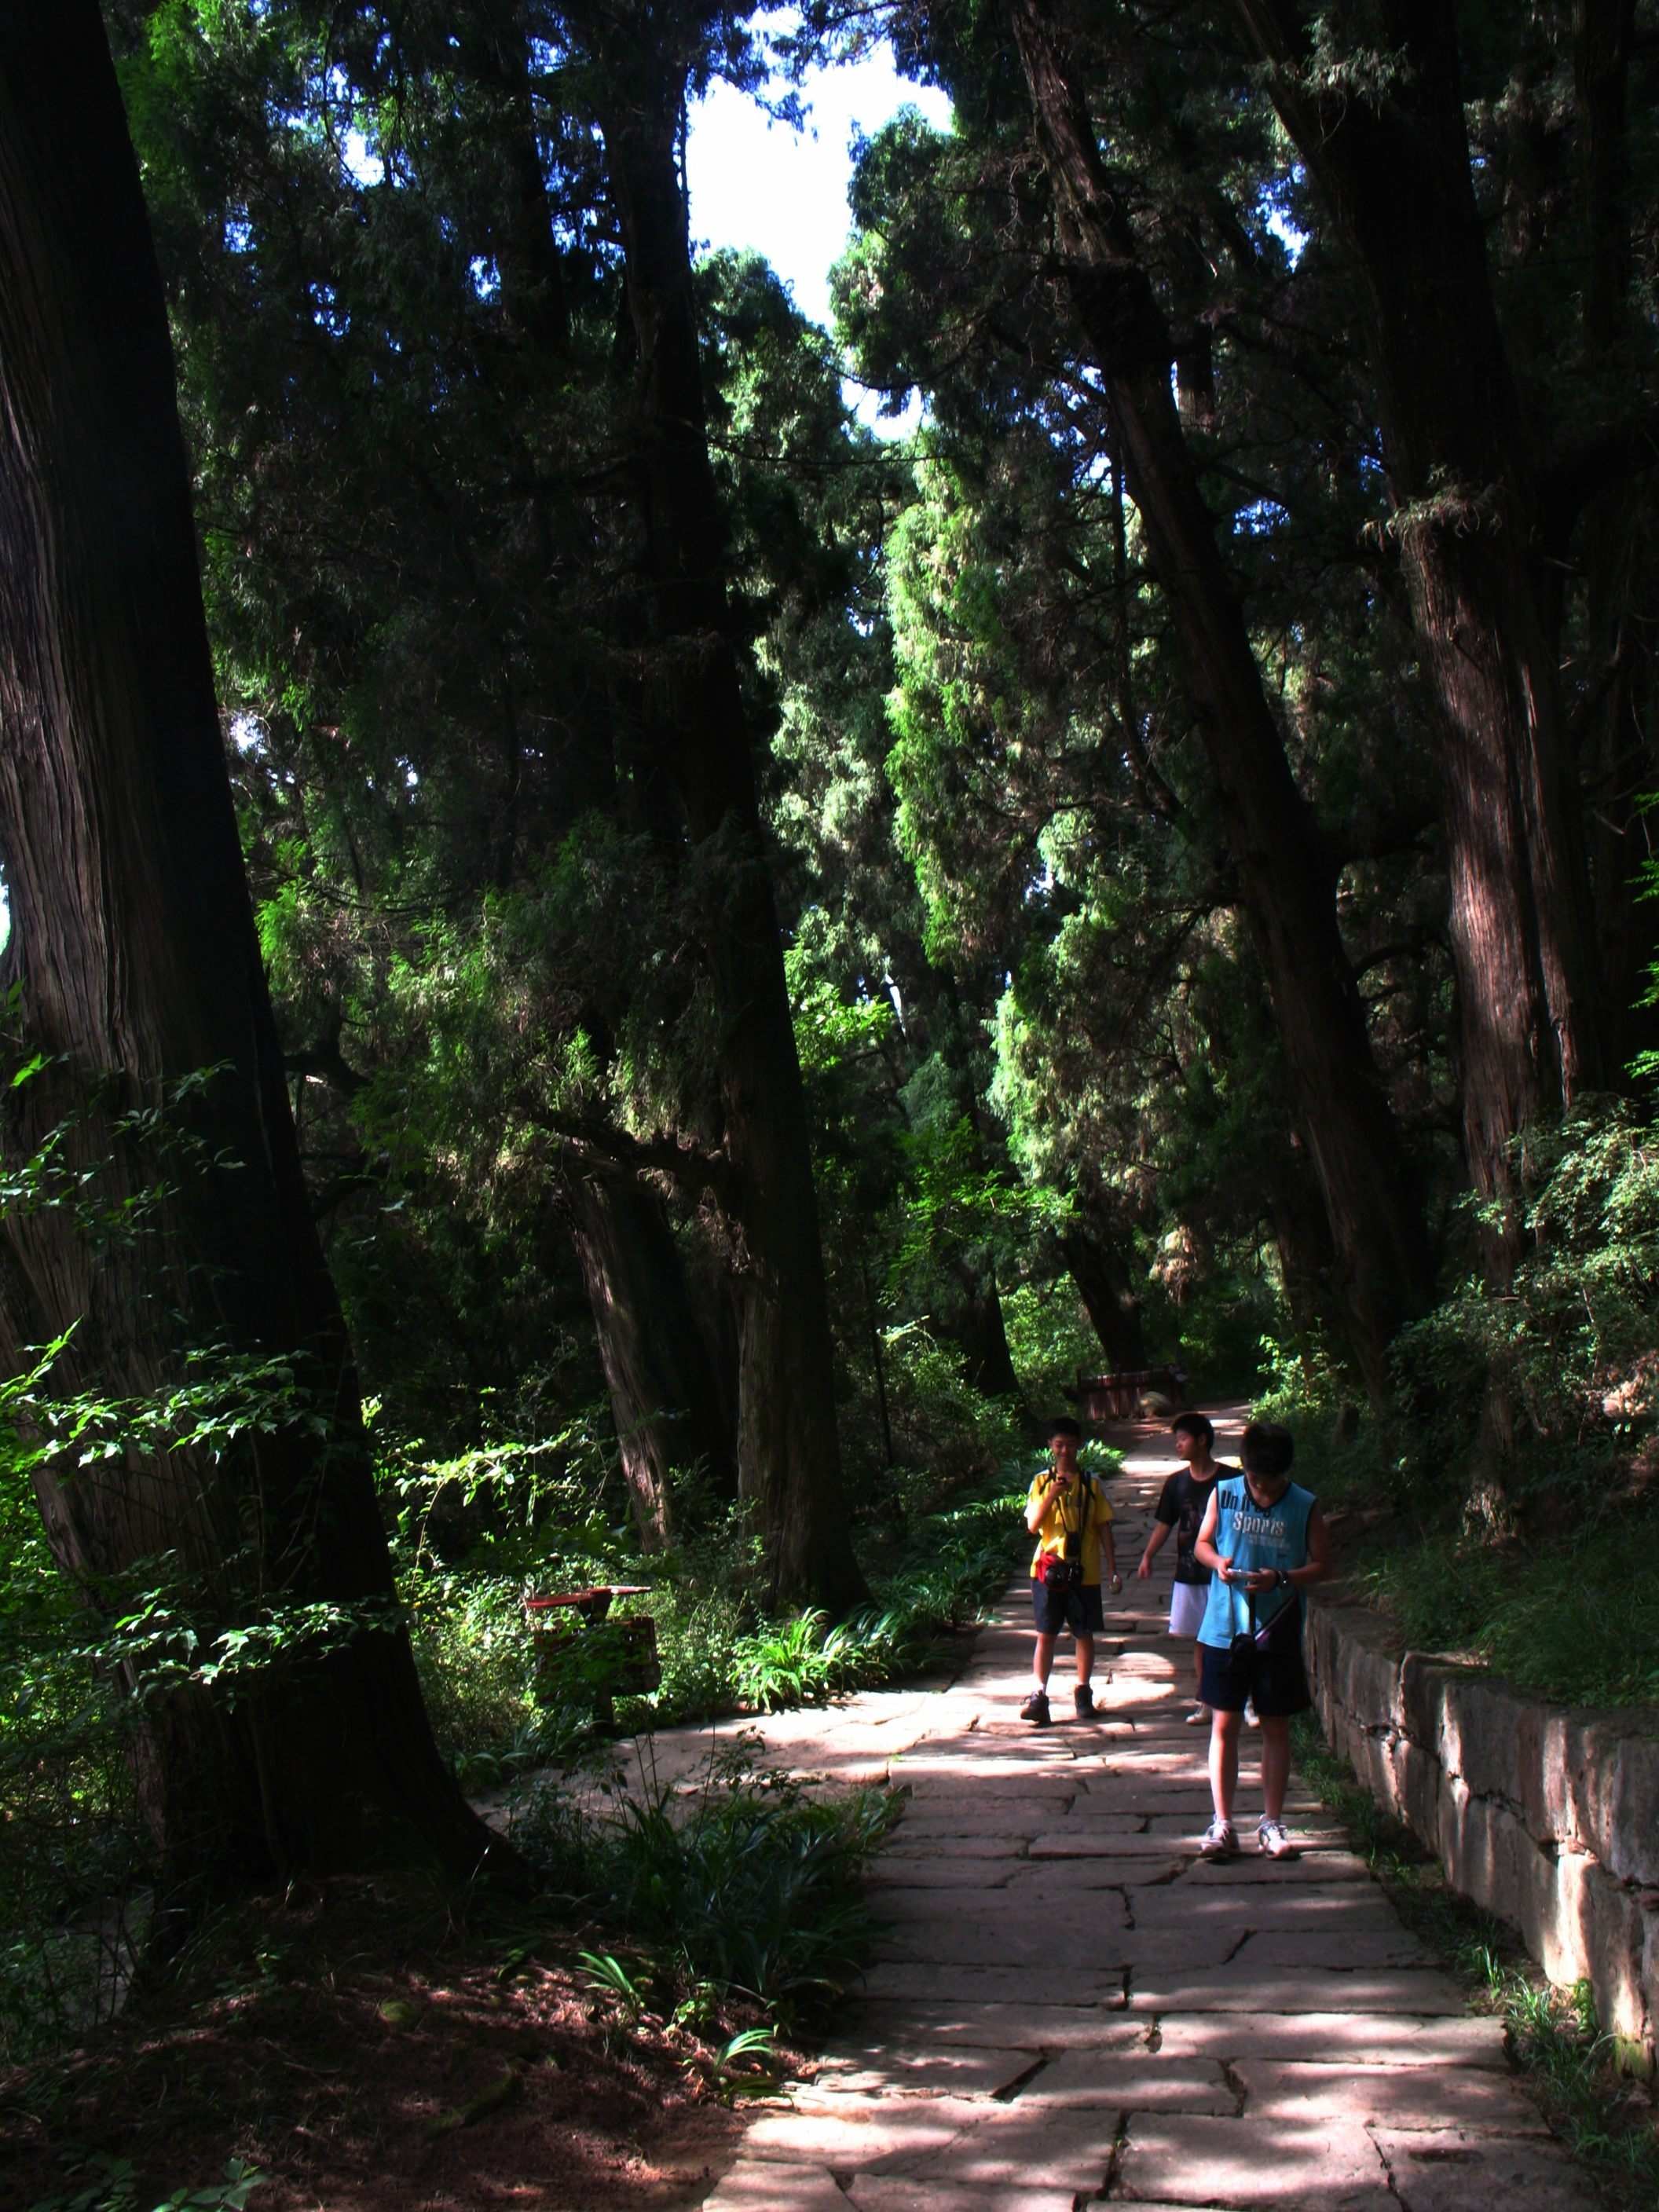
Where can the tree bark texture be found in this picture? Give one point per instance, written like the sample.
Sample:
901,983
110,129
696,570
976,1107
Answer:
134,951
1619,731
1287,881
1394,169
1604,32
1110,1293
788,1455
974,1324
668,1407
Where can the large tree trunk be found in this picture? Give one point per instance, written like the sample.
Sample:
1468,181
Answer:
1617,747
1619,731
1301,1238
788,1455
667,1404
974,1324
135,954
1287,881
1110,1295
1395,171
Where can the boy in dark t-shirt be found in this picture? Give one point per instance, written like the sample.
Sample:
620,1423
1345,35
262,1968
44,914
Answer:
1182,1506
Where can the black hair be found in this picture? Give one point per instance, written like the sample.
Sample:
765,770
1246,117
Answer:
1265,1448
1064,1425
1194,1425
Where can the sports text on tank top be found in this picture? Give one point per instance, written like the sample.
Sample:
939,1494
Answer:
1253,1535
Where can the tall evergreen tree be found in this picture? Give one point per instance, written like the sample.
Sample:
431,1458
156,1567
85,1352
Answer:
138,982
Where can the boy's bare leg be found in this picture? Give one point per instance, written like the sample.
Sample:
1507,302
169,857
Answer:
1224,1761
1275,1763
1086,1658
1043,1658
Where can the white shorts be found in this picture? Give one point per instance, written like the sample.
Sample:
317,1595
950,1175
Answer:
1186,1604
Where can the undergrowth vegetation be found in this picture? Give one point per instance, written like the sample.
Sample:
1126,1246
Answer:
756,1894
1553,1580
1582,2075
739,1883
717,1653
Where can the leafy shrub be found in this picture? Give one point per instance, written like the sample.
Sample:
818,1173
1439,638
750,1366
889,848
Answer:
1051,1341
115,2187
474,1656
1342,1451
1575,1340
785,1664
74,1864
1216,1325
753,1885
698,1635
945,1432
1580,1623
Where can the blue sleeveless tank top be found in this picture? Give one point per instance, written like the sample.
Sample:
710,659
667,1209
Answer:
1253,1535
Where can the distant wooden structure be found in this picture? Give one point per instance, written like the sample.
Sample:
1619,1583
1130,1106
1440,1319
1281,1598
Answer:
1117,1397
581,1655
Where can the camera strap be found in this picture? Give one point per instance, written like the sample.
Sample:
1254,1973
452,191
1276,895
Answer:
1086,1486
1086,1491
1266,1634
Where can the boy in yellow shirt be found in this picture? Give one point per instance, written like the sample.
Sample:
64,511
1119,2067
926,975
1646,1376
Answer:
1069,1515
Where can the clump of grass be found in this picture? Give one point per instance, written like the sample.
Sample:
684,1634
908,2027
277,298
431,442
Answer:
748,1886
1604,2112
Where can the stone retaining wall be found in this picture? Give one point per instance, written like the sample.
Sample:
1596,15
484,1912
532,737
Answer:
1546,1816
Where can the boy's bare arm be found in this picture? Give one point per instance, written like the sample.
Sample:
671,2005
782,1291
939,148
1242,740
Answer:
1318,1563
1204,1550
1155,1544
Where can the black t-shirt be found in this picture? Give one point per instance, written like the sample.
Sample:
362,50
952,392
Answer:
1182,1506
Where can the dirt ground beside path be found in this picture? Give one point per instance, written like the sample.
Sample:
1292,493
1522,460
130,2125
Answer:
1068,2006
368,2055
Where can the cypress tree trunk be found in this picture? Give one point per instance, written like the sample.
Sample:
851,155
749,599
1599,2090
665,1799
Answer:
1287,881
1109,1293
975,1326
666,1403
1394,169
1616,745
135,955
788,1455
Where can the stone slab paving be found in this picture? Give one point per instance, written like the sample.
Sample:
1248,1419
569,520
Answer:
1069,2008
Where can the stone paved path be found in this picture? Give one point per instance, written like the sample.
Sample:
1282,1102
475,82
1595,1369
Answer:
1069,2006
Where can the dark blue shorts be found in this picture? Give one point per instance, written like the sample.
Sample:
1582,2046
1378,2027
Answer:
1275,1682
1056,1610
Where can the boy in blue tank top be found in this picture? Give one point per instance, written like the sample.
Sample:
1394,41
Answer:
1265,1543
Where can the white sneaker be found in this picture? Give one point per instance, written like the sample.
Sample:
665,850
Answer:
1218,1841
1271,1838
1252,1718
1198,1717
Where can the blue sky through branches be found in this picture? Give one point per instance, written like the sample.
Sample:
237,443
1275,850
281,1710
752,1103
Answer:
763,184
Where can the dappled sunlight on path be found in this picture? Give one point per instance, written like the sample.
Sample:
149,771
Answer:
1068,2006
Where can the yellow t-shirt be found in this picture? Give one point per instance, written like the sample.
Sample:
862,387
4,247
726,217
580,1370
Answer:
1061,1519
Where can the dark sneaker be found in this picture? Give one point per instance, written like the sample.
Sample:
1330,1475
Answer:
1035,1708
1083,1699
